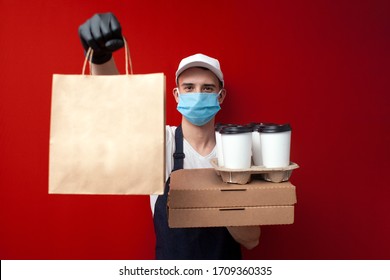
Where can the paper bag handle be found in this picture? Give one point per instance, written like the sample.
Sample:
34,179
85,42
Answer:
89,54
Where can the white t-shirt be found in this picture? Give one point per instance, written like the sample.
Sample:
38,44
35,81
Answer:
192,158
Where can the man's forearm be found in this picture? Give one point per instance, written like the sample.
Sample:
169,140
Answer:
108,68
247,236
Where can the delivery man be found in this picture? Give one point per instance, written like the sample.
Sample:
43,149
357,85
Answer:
199,93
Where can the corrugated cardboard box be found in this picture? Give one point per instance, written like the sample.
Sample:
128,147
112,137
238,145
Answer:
199,198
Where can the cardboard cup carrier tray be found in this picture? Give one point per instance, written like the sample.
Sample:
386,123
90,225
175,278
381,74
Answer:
243,176
199,198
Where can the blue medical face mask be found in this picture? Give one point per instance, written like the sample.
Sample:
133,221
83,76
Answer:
198,108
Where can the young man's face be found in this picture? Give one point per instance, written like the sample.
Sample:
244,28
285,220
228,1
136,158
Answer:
199,80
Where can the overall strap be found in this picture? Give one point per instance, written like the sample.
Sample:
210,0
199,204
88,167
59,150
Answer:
178,155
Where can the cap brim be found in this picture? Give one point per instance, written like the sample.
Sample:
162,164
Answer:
199,64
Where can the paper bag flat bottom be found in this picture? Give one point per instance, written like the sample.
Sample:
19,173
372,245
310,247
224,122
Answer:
236,216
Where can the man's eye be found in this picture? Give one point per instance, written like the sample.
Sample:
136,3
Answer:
208,89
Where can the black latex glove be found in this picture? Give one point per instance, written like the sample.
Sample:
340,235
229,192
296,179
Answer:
103,34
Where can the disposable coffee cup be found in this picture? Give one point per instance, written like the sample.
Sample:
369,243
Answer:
257,156
218,140
237,146
251,126
275,145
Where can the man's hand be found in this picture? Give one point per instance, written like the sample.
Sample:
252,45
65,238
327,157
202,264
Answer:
103,34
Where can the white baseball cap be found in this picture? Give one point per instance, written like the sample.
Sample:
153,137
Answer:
200,60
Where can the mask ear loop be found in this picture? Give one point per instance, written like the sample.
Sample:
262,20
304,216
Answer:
177,94
219,95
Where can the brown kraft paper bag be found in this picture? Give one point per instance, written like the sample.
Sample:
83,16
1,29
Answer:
107,133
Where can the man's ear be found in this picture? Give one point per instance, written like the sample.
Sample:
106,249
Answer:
176,94
222,96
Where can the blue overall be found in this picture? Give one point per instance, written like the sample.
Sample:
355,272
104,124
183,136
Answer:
211,243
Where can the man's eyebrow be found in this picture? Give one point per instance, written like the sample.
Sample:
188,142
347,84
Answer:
203,85
209,85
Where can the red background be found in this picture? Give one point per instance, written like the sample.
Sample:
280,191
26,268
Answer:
321,65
